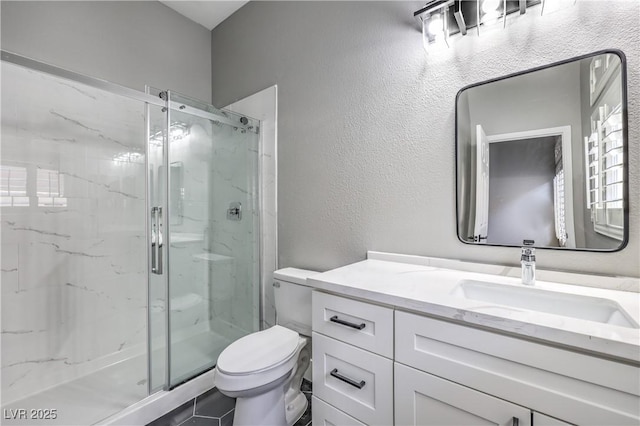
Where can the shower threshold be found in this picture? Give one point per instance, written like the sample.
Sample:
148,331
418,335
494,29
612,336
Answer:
93,398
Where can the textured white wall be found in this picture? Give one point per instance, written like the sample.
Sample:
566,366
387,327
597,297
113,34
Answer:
366,128
131,43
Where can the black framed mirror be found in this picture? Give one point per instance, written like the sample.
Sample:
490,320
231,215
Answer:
542,155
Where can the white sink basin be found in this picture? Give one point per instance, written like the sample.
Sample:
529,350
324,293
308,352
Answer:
569,305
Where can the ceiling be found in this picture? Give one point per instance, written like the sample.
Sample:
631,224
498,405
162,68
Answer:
208,13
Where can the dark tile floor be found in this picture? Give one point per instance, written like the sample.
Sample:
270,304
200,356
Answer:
306,389
214,409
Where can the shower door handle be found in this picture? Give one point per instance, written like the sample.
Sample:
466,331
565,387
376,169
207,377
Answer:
160,241
156,240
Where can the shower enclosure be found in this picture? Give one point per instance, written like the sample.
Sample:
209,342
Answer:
130,241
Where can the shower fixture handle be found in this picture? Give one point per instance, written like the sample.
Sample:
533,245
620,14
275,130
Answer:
234,212
156,240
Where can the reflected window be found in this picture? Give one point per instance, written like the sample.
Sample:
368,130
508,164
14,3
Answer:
559,209
50,188
604,157
13,186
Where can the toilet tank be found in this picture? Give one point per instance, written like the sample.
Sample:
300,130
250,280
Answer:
293,299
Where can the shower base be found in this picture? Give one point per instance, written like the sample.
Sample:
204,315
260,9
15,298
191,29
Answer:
93,398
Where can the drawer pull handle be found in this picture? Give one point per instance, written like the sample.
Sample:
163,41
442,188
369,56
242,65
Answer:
515,421
347,323
352,382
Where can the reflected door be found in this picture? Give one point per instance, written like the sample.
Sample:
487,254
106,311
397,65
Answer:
482,186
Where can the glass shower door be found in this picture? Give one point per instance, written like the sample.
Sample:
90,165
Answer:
213,236
73,258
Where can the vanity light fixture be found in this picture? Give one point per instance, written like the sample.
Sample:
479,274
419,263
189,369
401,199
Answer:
489,13
434,19
440,19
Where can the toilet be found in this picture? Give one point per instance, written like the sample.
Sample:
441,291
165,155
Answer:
264,370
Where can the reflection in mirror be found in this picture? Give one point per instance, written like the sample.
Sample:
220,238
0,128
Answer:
176,195
176,190
541,155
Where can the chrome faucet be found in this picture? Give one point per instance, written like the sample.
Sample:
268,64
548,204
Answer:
528,262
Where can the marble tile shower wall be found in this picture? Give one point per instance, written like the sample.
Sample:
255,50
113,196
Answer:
213,260
234,277
73,231
188,256
189,268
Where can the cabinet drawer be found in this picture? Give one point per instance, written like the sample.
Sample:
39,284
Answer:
355,381
324,414
360,324
575,387
425,400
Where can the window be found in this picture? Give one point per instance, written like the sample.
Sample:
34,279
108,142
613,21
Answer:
50,188
13,186
604,155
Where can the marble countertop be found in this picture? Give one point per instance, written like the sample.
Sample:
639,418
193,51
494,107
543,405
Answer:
427,285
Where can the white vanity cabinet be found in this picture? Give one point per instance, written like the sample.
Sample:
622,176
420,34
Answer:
376,365
552,382
427,400
352,360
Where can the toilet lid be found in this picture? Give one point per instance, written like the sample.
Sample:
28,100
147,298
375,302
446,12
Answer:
258,351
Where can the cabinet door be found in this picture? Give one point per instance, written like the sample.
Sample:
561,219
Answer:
542,420
425,400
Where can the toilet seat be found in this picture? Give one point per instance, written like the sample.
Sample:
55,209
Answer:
258,359
259,351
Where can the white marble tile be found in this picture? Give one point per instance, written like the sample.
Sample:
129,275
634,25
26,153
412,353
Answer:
9,279
74,289
50,224
77,332
83,401
263,106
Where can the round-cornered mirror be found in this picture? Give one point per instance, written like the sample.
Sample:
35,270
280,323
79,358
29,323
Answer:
542,155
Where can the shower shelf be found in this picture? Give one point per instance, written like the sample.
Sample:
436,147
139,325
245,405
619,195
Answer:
213,257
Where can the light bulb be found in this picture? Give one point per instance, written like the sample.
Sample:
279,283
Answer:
435,25
491,17
490,6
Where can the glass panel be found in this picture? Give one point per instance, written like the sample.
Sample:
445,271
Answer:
73,256
157,197
213,222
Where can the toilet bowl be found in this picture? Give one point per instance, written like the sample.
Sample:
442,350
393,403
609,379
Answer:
264,370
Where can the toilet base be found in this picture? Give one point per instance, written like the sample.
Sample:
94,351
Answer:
295,401
296,407
273,408
277,403
265,409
